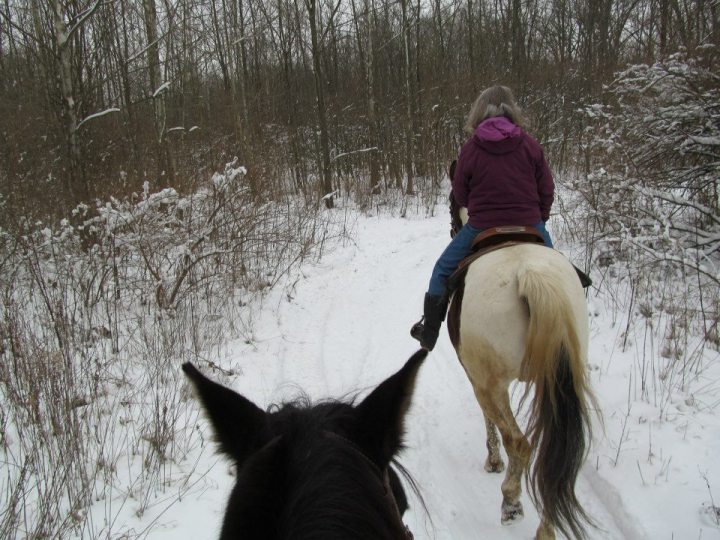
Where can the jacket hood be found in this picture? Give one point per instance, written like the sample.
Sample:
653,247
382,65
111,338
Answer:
498,135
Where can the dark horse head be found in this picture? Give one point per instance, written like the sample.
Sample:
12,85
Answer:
313,471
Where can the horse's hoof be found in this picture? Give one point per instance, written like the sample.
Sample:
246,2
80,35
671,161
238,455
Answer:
511,513
494,466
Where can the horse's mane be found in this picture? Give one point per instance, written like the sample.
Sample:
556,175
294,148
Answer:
333,491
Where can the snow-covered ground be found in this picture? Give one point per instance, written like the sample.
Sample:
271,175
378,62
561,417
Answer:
341,326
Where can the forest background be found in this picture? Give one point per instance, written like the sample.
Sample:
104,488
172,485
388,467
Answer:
165,163
98,97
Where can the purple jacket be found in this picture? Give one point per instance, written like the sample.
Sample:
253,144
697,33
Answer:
502,177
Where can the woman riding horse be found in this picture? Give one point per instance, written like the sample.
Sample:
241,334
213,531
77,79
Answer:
519,313
502,178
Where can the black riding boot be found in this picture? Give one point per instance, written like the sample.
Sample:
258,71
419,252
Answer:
426,331
585,280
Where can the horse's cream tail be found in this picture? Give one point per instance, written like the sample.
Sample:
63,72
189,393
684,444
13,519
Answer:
554,367
555,324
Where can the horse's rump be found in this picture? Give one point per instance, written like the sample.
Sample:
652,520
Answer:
522,315
493,306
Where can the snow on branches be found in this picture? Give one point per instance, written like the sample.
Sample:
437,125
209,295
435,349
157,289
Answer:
656,139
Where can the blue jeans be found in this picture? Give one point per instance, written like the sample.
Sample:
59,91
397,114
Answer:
457,250
545,234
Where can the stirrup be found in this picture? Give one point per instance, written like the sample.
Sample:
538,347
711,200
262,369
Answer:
417,329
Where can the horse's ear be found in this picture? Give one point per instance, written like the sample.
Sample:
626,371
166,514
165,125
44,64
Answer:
240,426
381,414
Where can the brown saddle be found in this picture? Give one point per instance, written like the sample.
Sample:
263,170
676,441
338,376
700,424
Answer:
493,239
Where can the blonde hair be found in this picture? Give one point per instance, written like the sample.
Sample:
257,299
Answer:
494,101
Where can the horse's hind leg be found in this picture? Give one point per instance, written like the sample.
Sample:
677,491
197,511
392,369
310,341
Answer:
546,531
497,409
494,462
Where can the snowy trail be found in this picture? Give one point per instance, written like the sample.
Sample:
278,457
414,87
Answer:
345,328
341,328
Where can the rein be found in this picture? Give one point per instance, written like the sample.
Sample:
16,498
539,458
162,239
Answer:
382,474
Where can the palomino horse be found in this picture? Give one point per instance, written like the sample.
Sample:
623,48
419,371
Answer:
320,472
522,315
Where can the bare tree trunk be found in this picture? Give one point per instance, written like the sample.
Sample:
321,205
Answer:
76,183
158,93
367,58
123,47
184,64
219,46
589,24
372,114
471,41
3,53
680,23
241,59
419,157
664,24
517,33
409,188
604,48
233,38
284,31
325,170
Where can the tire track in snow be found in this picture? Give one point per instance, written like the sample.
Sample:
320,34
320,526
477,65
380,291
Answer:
604,493
361,317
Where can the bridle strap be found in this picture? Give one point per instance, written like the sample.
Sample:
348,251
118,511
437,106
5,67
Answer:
407,533
382,474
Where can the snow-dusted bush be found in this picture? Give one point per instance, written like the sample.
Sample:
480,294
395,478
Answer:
96,319
652,203
656,145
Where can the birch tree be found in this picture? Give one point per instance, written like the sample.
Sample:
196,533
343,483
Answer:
64,32
158,88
